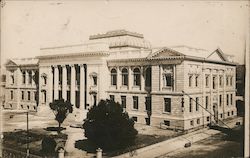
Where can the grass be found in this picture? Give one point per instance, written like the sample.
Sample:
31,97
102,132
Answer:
140,142
17,140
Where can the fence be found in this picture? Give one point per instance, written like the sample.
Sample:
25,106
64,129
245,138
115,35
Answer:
11,153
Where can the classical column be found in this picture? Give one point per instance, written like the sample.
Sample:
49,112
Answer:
73,85
119,78
26,77
142,80
64,82
32,79
56,82
50,85
130,78
82,88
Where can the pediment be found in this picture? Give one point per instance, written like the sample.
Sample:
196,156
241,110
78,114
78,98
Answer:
10,63
217,55
164,52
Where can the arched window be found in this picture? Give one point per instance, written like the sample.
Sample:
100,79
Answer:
124,76
113,77
137,77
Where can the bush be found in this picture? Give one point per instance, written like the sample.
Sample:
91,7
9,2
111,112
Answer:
109,127
48,145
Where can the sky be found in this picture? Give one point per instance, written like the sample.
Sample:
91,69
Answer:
28,26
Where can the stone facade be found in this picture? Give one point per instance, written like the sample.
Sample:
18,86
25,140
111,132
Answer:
179,87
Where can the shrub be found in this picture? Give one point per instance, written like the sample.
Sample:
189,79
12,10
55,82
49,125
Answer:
109,127
48,145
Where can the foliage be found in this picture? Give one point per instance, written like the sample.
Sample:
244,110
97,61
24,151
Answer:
48,145
61,110
109,127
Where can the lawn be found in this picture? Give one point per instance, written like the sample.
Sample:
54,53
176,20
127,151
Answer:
17,140
141,141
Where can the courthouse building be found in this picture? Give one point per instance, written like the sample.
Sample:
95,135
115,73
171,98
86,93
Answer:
178,87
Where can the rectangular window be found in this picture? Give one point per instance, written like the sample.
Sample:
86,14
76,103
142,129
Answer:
231,99
208,119
134,118
168,80
196,81
94,80
231,81
207,101
30,77
207,80
11,95
228,113
12,79
95,100
221,115
166,122
190,80
198,121
232,112
28,95
123,101
112,97
167,104
22,95
221,81
135,102
190,104
227,99
227,80
192,123
197,103
220,100
214,82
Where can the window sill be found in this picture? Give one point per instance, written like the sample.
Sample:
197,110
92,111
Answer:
166,112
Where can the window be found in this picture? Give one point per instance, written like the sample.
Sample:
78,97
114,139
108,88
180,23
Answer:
190,80
228,114
12,79
22,95
190,105
167,104
35,96
28,95
22,106
220,100
11,95
124,77
95,100
137,77
23,77
112,97
197,81
208,119
227,99
221,81
123,101
207,80
198,121
227,80
168,80
135,102
207,101
166,122
44,96
94,80
30,77
221,115
28,106
214,82
113,77
197,103
231,99
44,80
192,123
231,81
168,76
134,118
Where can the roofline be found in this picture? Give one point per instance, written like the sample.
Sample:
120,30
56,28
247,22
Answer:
99,53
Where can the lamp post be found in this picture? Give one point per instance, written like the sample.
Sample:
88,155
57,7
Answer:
27,151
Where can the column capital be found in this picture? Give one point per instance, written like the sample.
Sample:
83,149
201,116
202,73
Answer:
54,66
63,66
72,65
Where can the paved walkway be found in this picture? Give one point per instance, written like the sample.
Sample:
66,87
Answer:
174,144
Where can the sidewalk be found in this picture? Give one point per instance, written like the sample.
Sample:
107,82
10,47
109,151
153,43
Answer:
171,145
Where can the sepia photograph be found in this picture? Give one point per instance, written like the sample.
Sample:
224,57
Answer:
121,79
